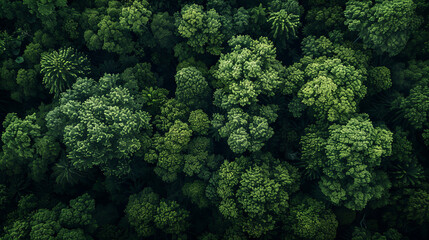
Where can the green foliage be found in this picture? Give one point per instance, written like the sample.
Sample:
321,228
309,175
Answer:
310,219
79,214
197,159
258,17
139,77
101,124
245,131
333,89
171,218
73,234
24,147
199,122
19,134
378,79
323,47
3,196
154,98
214,119
353,152
284,25
19,230
62,222
202,29
27,80
168,151
171,111
135,17
321,20
196,192
417,207
360,233
46,10
140,211
313,145
110,28
255,195
65,173
250,70
416,106
44,224
384,26
61,68
163,29
241,20
404,167
192,88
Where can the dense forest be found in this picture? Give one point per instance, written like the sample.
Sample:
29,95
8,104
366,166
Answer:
214,119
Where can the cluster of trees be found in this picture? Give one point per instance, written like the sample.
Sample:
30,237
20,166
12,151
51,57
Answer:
214,119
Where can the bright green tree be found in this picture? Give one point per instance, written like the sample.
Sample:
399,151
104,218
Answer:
136,16
353,153
249,70
284,25
202,29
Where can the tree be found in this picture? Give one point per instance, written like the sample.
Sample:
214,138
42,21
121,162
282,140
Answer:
139,77
167,153
140,211
403,165
310,219
136,16
171,111
110,27
24,147
333,88
27,80
60,222
154,98
61,68
202,29
416,208
416,106
353,152
46,10
101,124
284,25
196,192
163,29
378,79
245,131
79,214
171,218
199,122
249,70
198,159
44,224
384,26
192,88
254,193
324,19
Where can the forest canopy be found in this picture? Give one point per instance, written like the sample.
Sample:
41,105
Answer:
214,119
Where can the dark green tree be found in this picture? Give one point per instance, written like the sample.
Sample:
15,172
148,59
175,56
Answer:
61,68
384,25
